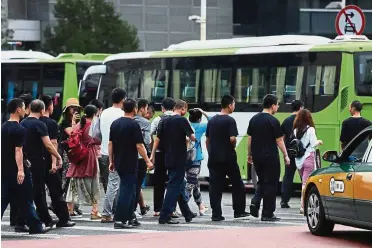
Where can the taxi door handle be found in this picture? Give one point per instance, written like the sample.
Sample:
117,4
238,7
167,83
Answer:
349,176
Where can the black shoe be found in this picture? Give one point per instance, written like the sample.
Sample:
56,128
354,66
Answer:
192,216
51,223
218,218
145,209
254,210
271,219
169,222
134,223
121,225
284,205
42,231
78,211
21,229
241,215
65,224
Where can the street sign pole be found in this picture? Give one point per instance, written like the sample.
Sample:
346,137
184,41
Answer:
203,19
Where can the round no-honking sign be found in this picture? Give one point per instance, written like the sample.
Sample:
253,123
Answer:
350,21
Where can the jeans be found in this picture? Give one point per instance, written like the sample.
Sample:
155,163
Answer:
22,195
268,172
288,182
109,204
175,192
142,168
160,178
126,198
217,175
103,163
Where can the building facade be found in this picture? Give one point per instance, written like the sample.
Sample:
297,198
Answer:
164,22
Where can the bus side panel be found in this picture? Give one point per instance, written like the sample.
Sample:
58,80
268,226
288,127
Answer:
70,89
241,152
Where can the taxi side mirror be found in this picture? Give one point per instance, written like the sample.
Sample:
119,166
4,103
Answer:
330,156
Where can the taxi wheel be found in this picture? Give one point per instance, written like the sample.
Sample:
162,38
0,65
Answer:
315,214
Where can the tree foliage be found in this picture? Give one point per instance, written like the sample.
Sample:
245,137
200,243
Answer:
6,33
89,26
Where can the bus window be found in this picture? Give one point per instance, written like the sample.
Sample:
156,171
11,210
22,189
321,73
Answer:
53,78
154,85
217,83
185,85
88,89
363,74
18,79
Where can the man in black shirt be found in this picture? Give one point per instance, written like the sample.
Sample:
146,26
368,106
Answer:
36,141
353,125
14,210
172,133
53,180
221,141
264,138
16,181
290,170
125,142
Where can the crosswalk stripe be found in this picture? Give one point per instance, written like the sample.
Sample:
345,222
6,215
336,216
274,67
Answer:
41,236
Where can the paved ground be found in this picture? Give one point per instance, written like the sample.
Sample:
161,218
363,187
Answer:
250,230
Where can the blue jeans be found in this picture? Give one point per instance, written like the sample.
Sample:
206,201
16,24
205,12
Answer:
127,197
22,195
175,191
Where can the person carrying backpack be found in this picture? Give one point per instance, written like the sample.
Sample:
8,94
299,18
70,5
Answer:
83,170
303,146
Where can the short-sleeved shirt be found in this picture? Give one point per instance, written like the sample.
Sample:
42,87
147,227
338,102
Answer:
12,136
219,130
351,127
287,128
125,134
53,132
264,129
172,132
35,131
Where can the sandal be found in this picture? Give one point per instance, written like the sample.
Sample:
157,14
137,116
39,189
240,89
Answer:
95,216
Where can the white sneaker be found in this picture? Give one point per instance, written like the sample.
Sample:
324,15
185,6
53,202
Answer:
301,210
138,215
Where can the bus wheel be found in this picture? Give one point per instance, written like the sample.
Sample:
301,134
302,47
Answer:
315,214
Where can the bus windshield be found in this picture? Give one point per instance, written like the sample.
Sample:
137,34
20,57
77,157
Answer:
363,74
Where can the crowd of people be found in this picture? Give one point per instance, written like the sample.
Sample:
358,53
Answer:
116,147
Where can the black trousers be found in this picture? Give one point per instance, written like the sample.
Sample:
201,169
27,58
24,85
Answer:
142,168
217,175
268,173
54,184
38,168
288,182
160,179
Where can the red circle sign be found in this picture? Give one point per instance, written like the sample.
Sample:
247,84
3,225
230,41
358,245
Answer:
350,20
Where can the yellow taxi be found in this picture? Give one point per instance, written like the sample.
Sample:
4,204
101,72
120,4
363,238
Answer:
342,192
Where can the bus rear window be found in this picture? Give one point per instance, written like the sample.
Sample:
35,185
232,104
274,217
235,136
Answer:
363,74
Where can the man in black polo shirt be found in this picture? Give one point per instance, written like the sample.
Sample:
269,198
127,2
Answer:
172,133
53,180
264,138
37,140
16,181
221,141
290,170
354,124
125,142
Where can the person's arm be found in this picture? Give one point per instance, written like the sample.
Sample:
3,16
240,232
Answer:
18,140
111,156
53,134
233,131
342,136
204,113
43,132
207,141
279,140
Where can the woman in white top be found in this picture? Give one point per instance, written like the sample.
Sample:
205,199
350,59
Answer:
304,129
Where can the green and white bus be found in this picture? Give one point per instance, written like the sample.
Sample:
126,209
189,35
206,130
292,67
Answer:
40,73
326,74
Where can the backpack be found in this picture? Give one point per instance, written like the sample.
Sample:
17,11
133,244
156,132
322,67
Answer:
296,149
191,151
74,147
